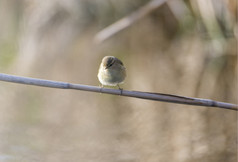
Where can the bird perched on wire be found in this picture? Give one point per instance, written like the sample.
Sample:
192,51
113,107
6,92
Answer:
111,72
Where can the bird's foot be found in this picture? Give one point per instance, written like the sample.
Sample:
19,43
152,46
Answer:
101,87
121,89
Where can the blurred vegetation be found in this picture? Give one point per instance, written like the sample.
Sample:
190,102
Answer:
184,47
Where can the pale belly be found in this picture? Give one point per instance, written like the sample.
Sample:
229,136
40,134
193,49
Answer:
111,77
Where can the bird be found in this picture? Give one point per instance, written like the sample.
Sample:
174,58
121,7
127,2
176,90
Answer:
111,72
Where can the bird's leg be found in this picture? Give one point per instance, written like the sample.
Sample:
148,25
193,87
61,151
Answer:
101,85
121,89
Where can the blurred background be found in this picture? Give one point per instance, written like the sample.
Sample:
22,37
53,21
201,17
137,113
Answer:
181,47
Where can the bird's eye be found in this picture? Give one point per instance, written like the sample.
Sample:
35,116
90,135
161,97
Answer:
110,63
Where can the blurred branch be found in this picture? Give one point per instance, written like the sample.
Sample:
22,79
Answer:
127,21
136,94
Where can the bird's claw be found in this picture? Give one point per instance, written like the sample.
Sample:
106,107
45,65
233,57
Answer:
101,87
121,89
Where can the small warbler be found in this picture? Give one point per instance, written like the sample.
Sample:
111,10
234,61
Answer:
111,72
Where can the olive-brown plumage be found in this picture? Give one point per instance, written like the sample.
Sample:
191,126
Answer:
111,71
